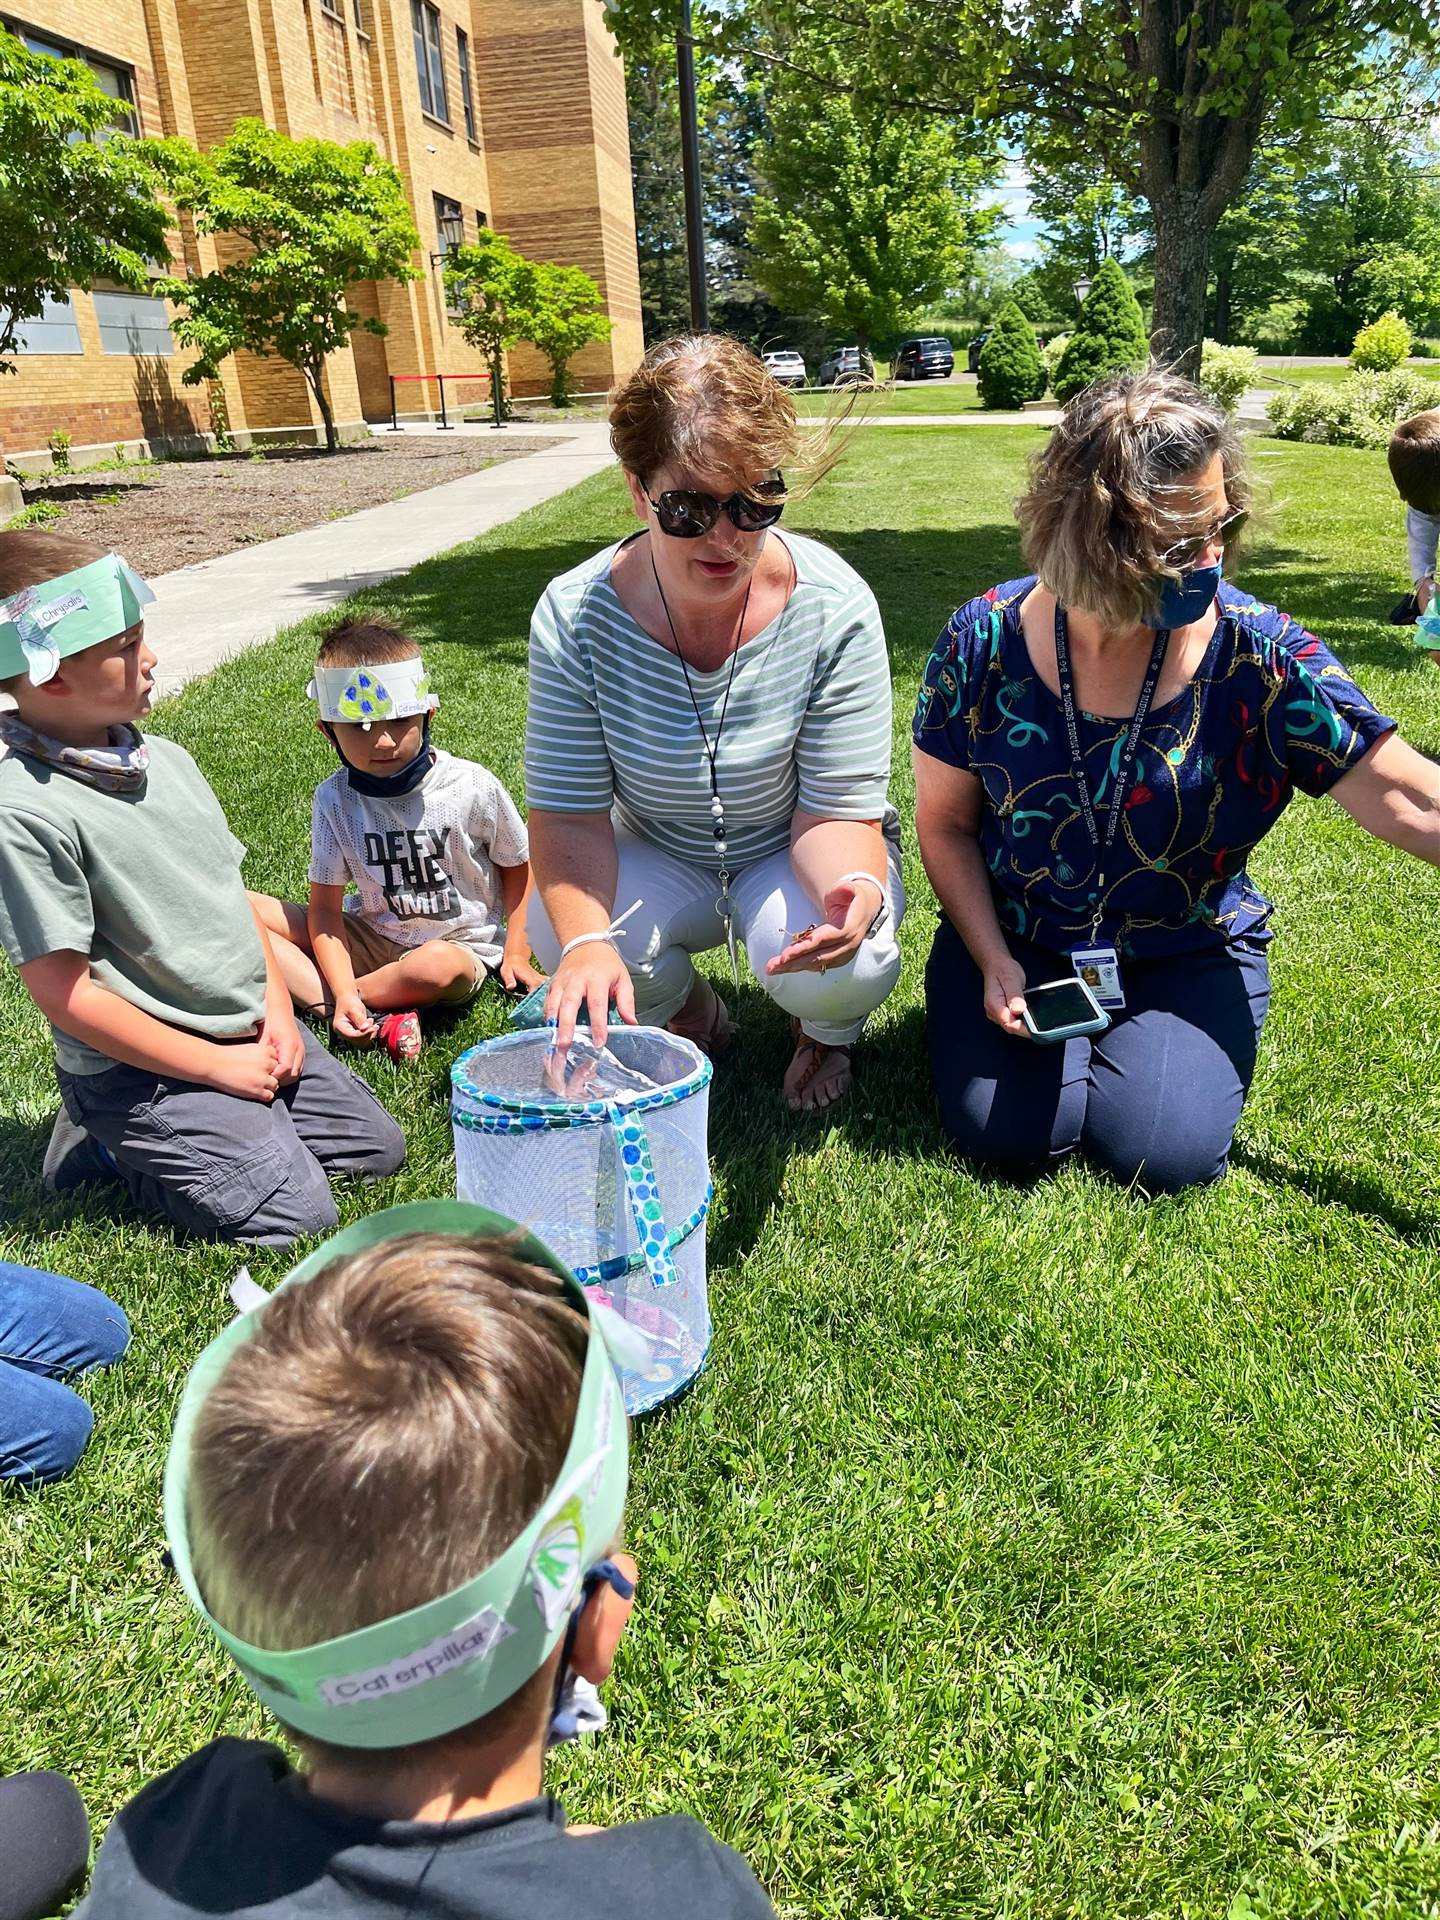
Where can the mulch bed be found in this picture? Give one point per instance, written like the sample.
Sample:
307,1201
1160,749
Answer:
167,514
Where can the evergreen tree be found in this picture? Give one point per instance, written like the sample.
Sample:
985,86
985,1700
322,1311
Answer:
1109,336
1011,370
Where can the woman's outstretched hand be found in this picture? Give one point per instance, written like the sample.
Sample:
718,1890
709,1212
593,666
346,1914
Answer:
584,985
1005,995
850,911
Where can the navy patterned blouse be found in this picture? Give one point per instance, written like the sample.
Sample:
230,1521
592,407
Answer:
1268,710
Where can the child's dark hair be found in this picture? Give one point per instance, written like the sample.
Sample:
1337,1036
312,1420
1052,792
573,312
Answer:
391,1427
29,559
368,641
1414,455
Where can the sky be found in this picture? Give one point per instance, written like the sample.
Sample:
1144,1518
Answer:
1019,235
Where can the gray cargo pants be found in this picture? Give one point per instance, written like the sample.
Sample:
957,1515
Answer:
231,1169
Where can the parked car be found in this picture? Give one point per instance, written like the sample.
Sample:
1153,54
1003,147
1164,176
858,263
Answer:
929,359
845,367
786,366
972,358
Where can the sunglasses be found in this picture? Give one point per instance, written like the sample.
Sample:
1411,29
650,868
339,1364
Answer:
686,515
1189,551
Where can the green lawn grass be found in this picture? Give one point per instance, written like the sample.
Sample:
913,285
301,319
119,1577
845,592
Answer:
1020,1553
1276,372
910,396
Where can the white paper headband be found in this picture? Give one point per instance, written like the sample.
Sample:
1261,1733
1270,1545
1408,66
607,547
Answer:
362,695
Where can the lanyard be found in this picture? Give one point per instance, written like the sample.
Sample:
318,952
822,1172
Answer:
1125,766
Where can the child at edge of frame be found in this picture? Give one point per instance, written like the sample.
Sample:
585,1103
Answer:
1414,460
433,844
395,1493
181,1069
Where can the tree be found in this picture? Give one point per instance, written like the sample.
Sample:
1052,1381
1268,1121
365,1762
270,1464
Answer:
313,217
77,197
1011,370
493,287
565,315
1170,100
1109,336
868,215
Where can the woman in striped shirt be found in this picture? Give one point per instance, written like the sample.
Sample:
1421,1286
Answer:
708,740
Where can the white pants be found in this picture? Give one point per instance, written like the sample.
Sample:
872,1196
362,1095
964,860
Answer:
677,917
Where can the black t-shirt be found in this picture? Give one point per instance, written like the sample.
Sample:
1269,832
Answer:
233,1831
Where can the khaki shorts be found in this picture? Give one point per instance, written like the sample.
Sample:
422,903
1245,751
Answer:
371,949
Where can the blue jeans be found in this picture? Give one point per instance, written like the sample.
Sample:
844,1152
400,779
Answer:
1153,1100
49,1326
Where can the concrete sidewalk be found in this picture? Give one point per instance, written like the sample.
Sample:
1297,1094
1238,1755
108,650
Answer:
206,613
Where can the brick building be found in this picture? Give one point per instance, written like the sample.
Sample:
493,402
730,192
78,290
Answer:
510,112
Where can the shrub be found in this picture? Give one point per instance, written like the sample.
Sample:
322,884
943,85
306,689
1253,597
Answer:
1051,353
1227,373
1425,349
1109,337
1010,368
1278,327
1362,412
1382,345
60,451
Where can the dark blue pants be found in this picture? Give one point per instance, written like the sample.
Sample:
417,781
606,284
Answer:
1154,1100
49,1327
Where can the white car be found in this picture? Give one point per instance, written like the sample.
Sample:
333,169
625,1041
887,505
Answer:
787,367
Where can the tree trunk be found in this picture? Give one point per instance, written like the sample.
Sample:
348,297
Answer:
1182,262
315,375
559,383
497,385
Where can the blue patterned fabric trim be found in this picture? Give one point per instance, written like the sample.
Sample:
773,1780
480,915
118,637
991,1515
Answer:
537,1116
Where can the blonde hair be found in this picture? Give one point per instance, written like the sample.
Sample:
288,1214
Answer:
1110,497
704,404
391,1426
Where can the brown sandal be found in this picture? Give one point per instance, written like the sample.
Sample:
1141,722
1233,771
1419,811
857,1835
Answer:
818,1070
711,1035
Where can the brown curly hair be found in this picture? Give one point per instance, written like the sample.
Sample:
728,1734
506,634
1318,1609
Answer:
1110,501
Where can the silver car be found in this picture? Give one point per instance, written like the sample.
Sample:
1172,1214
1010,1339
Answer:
786,366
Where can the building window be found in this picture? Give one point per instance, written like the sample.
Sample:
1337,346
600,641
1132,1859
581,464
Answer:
359,20
429,62
52,331
133,323
482,219
117,81
467,97
333,8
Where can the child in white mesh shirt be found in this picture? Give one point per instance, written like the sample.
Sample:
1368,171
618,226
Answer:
433,845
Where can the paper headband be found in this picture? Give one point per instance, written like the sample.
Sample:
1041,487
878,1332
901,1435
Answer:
444,1664
42,625
1427,632
367,694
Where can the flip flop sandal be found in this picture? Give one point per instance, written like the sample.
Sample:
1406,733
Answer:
712,1036
399,1034
824,1065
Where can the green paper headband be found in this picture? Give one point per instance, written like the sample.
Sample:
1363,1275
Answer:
444,1664
41,626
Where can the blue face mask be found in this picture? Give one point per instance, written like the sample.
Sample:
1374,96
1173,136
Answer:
576,1708
1185,600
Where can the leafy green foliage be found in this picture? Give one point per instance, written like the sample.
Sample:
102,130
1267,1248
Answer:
492,287
565,315
77,197
868,215
314,217
1011,370
1228,373
1360,411
1109,336
1053,353
1382,345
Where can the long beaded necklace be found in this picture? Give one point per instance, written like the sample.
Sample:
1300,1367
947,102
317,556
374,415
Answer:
724,905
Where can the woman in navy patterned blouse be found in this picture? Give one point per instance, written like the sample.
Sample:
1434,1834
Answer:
1098,748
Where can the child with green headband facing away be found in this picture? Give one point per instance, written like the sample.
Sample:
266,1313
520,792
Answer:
433,844
181,1068
393,1493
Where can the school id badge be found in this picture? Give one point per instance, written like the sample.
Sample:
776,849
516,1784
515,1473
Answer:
1099,968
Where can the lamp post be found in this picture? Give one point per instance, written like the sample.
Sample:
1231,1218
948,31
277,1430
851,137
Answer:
690,167
1082,289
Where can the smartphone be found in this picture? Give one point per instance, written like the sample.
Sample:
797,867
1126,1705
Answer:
1062,1010
530,1012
